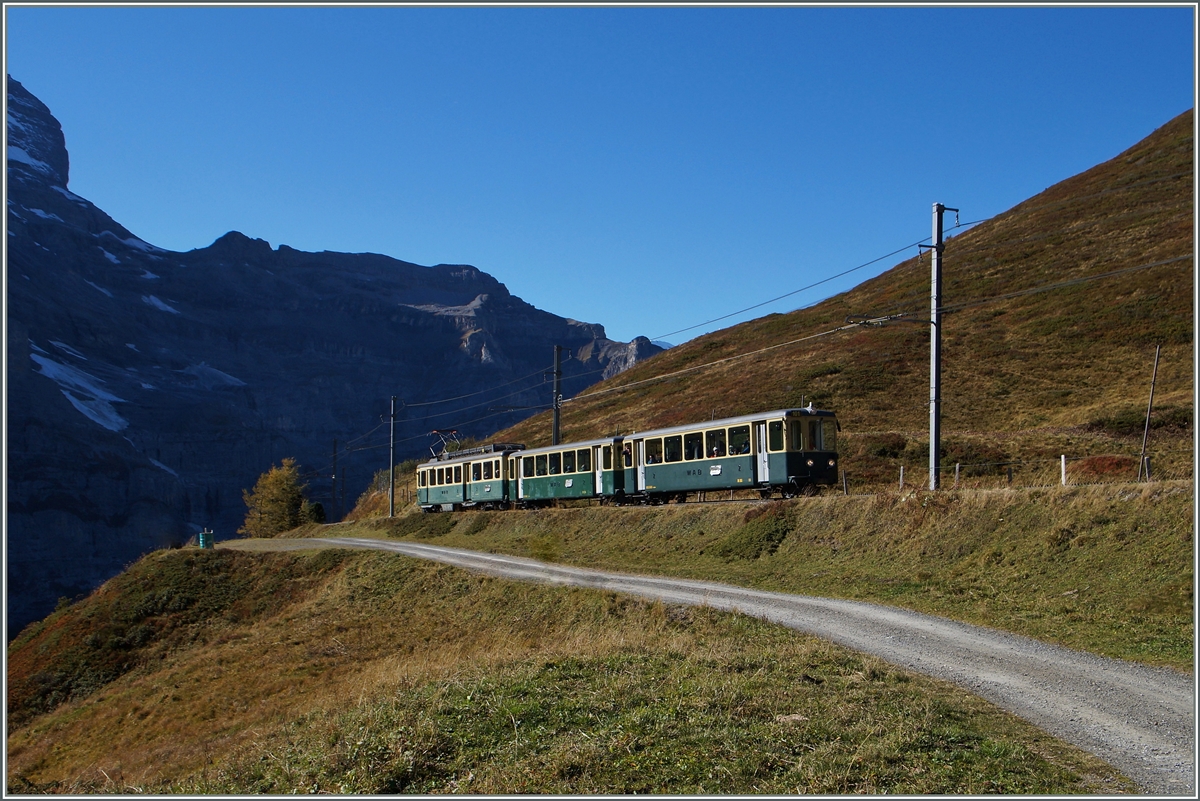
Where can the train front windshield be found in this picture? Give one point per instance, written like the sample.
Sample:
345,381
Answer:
812,434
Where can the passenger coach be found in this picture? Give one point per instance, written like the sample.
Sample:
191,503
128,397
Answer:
792,450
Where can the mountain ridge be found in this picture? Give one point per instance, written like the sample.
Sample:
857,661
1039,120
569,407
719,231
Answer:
148,388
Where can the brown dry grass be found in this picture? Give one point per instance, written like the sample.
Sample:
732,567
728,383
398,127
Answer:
344,640
389,675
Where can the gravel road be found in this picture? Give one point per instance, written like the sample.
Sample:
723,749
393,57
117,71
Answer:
1139,719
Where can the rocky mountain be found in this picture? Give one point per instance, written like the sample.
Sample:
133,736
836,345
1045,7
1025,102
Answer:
147,388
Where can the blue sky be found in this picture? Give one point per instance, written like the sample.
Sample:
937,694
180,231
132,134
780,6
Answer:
643,168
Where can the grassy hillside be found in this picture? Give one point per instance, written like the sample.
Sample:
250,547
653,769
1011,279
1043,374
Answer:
238,672
1025,376
1106,569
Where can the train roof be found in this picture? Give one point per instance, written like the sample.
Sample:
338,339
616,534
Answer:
698,426
467,454
731,421
566,446
504,449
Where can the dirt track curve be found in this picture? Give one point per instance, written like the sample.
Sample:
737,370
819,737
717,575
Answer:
1139,719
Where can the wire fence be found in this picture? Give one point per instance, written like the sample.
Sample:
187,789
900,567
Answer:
1109,468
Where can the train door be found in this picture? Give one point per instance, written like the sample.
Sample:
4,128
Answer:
762,465
618,467
640,461
598,465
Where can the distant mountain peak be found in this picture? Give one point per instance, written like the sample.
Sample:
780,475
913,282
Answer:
236,245
36,145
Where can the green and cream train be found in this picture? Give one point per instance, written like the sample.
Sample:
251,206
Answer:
791,451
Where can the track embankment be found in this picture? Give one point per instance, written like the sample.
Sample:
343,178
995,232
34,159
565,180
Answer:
1139,719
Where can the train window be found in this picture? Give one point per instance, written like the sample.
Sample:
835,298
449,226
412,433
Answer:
673,448
487,471
555,464
569,461
421,477
475,474
715,442
654,451
693,446
541,464
607,456
583,460
775,435
627,453
814,436
496,469
440,479
527,467
457,474
795,435
739,440
830,434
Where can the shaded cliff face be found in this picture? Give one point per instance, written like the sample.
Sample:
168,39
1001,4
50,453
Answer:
147,388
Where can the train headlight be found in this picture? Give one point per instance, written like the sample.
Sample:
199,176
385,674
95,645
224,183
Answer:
810,462
832,462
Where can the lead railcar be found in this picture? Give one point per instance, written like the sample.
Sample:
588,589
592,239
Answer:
474,477
792,451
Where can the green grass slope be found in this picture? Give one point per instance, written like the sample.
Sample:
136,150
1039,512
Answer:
1025,376
364,672
1106,569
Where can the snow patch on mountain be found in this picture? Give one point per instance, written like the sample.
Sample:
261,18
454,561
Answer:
83,391
162,466
65,348
133,242
150,300
46,215
210,377
18,154
13,122
69,195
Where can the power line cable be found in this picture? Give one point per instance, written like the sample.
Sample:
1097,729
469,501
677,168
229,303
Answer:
480,392
793,292
476,405
1014,210
954,307
710,364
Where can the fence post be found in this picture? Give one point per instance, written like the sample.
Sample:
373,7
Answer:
1146,460
901,478
1010,475
957,466
845,486
1064,469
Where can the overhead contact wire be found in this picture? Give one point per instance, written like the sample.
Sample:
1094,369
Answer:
711,364
793,292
